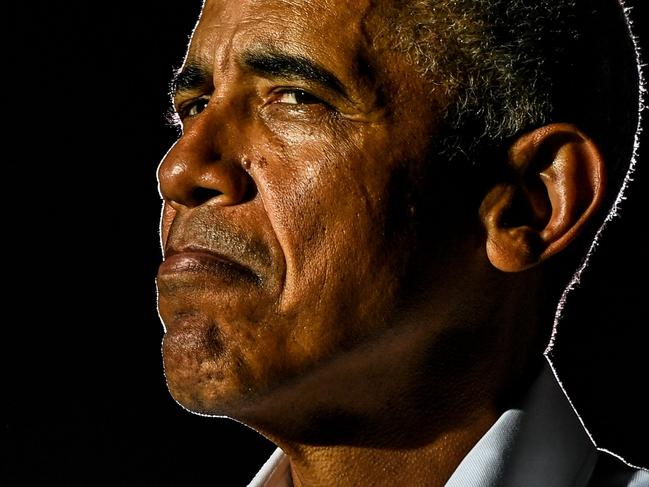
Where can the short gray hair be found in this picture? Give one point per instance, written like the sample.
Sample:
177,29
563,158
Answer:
507,66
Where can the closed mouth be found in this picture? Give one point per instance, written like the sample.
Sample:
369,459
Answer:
199,260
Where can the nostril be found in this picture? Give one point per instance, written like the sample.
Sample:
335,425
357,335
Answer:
201,195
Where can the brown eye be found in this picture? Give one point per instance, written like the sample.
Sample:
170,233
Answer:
193,108
296,97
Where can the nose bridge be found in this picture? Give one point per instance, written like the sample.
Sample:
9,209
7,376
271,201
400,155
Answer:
201,135
204,164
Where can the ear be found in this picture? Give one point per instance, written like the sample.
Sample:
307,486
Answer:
557,184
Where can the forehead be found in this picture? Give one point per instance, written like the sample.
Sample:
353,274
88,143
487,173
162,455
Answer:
334,31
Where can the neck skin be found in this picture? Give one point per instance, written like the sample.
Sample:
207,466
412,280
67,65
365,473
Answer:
410,405
428,465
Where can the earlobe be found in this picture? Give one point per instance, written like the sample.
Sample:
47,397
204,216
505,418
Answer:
557,184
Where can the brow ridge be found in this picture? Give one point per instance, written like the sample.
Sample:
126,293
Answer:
276,64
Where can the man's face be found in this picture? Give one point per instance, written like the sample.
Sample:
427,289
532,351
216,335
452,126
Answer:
292,202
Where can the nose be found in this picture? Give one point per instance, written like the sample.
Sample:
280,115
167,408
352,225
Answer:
200,167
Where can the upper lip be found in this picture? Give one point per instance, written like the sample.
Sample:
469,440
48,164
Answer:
233,243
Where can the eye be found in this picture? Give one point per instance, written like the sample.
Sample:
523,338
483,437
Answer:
296,97
193,107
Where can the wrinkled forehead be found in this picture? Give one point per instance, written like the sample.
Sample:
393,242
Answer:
333,31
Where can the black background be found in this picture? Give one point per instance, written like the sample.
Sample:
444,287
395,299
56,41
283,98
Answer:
82,384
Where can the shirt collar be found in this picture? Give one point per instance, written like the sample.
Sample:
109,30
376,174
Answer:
541,443
276,472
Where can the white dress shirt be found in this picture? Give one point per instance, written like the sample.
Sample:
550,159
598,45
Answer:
542,444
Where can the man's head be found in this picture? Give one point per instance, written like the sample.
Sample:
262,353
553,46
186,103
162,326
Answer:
361,208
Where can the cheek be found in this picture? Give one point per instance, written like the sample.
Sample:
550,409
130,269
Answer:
327,203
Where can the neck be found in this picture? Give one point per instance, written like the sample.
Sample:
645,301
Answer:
413,418
430,464
362,419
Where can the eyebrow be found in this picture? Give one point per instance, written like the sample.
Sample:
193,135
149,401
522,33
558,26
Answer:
264,62
273,64
192,77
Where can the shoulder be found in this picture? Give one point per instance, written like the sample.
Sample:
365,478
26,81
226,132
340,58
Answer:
613,472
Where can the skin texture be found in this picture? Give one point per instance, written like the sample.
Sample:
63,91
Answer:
330,282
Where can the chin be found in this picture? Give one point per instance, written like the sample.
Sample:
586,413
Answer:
199,379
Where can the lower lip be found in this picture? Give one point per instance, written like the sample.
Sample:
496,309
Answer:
200,263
